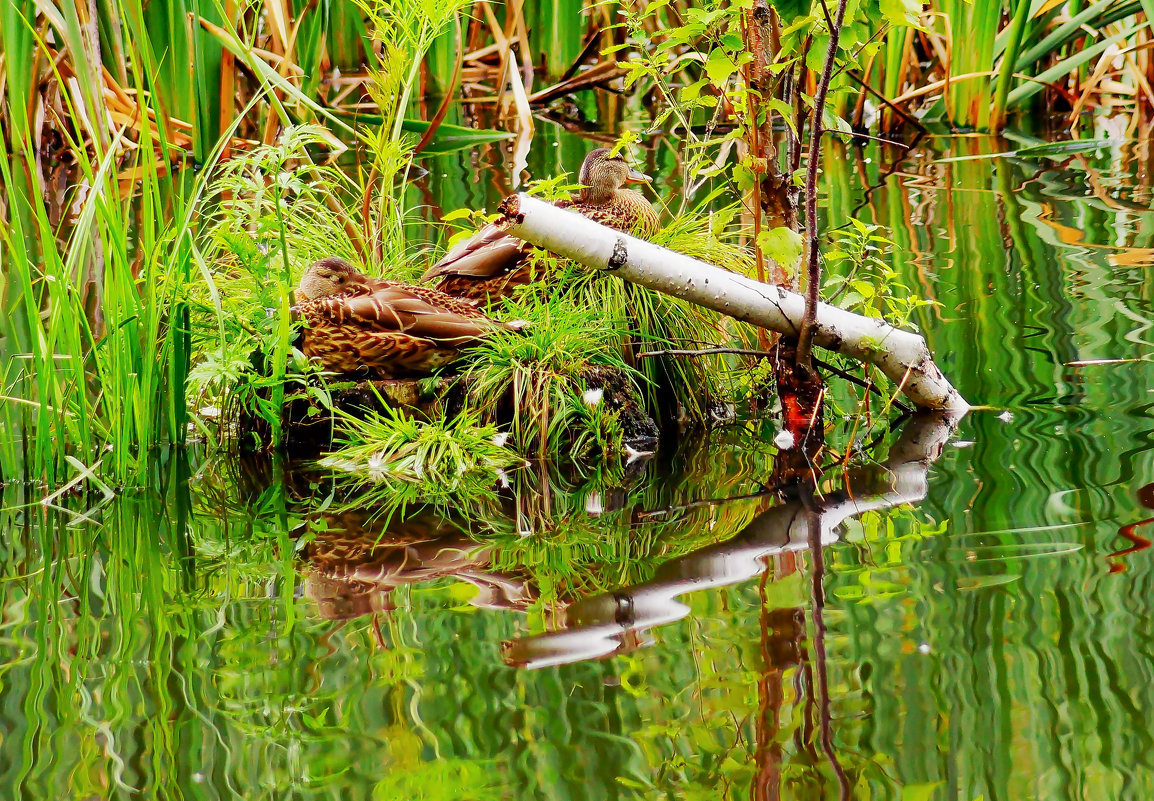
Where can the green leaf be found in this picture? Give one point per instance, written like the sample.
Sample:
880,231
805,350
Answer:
453,137
633,71
920,792
794,15
832,122
1044,150
719,66
690,93
900,13
782,244
815,58
784,110
743,177
719,221
1063,148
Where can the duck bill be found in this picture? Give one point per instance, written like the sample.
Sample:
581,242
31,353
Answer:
636,177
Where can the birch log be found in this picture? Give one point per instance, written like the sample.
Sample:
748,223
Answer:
901,355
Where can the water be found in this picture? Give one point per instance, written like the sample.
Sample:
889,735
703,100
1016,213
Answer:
218,636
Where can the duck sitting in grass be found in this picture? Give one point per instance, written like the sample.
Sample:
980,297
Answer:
493,262
355,323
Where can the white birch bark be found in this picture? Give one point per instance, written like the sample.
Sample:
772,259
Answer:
901,355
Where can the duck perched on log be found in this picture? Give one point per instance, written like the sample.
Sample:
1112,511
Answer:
493,262
355,323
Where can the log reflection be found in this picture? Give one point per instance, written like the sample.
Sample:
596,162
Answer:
619,621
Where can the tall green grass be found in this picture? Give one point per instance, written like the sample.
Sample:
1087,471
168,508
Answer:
995,56
97,335
94,325
535,379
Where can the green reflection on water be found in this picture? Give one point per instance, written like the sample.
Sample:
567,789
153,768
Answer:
193,642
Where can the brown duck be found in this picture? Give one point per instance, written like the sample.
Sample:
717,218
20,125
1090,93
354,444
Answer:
393,330
493,262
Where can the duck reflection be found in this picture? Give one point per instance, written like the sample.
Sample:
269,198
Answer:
545,531
359,553
358,558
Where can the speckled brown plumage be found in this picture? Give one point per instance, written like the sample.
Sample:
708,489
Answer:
493,262
354,323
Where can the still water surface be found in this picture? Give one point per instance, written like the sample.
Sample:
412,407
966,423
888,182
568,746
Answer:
220,637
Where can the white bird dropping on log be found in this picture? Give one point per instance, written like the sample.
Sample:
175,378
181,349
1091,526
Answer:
784,440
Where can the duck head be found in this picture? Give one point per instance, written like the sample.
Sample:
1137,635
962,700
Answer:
329,276
604,174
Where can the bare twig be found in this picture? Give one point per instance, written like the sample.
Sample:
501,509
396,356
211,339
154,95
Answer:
850,377
703,352
589,48
891,105
869,386
882,139
821,662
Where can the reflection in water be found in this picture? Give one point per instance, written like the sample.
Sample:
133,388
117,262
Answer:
603,624
181,642
353,565
1138,543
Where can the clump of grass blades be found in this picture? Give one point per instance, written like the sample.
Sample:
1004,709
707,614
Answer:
403,32
405,459
538,377
275,211
92,305
275,204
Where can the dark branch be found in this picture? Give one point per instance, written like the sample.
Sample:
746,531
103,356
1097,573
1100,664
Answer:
703,352
869,386
813,266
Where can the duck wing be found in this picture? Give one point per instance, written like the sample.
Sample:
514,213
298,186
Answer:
413,311
490,252
493,252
